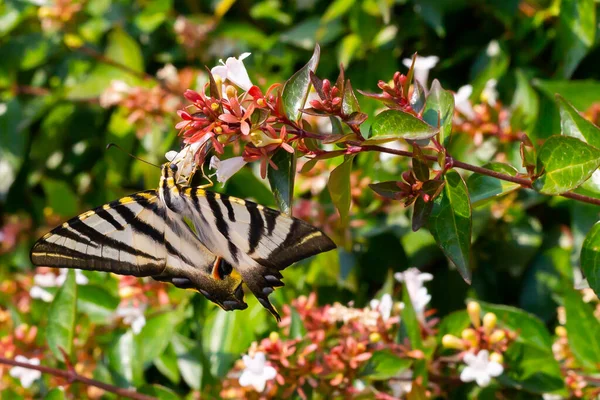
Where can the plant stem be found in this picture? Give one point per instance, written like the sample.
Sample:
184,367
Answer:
73,376
524,182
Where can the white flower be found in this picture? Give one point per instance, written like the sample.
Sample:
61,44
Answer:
226,168
386,157
26,375
168,74
462,102
550,396
256,373
401,385
234,71
383,306
480,369
132,316
37,292
185,159
80,278
493,49
419,296
422,67
489,93
114,93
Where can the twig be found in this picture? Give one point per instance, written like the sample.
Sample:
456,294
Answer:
524,182
72,376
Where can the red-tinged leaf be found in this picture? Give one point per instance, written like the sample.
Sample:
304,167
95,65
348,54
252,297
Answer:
389,189
356,118
296,89
214,90
317,84
349,102
420,164
421,212
314,111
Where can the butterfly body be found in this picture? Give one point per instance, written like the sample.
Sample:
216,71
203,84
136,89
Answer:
145,234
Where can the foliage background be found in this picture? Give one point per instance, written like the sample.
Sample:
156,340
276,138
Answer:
53,162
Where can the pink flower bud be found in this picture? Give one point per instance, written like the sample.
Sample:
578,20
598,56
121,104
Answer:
192,96
326,86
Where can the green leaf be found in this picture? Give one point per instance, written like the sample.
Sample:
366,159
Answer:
439,104
61,317
154,13
453,324
576,33
159,392
573,124
337,9
166,363
121,48
225,336
384,365
124,361
155,335
391,125
297,329
295,91
421,213
282,179
339,187
60,197
581,93
96,302
531,363
189,359
410,324
484,187
56,394
450,223
12,144
590,257
525,105
566,163
583,330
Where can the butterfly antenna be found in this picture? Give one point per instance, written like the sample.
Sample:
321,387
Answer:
108,146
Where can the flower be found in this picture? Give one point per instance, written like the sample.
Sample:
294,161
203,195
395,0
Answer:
419,295
116,91
168,74
493,49
185,159
462,102
26,375
489,93
383,306
226,168
234,71
256,373
132,316
480,369
422,67
49,279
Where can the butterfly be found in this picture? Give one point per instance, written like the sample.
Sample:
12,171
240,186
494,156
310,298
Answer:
189,237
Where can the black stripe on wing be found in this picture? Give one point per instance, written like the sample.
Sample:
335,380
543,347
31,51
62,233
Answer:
303,240
221,223
256,228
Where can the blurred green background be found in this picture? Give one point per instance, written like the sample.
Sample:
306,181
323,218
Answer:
56,118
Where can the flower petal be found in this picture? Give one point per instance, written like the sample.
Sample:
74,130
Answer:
220,70
468,374
494,368
236,73
483,380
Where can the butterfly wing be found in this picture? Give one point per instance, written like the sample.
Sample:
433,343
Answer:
259,242
137,235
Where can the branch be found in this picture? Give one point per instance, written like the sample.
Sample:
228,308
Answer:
524,182
141,75
72,376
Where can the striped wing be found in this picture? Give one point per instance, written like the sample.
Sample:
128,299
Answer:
258,241
137,235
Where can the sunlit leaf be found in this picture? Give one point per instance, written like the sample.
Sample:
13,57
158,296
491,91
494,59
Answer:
484,187
573,124
583,330
590,257
295,91
566,163
391,125
439,107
